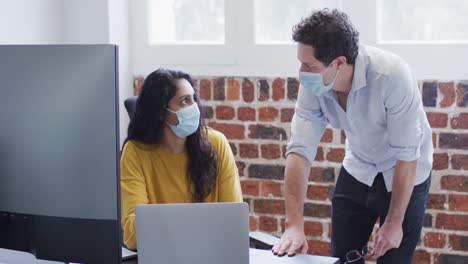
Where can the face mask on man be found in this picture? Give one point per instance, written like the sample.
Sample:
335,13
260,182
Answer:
189,120
313,81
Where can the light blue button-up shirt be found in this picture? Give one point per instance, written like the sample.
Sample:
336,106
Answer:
384,122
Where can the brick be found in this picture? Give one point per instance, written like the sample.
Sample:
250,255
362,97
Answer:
458,202
460,121
252,223
436,201
267,132
440,161
336,154
318,174
248,90
205,89
233,90
246,114
462,94
327,136
225,113
453,141
429,94
233,148
263,90
268,114
266,206
459,161
319,156
278,89
454,183
447,92
250,187
421,257
427,220
268,224
434,240
319,248
271,151
459,242
249,151
452,259
434,140
317,192
293,88
317,210
452,222
137,84
207,112
437,120
240,167
285,149
271,189
219,85
269,172
287,115
231,131
313,228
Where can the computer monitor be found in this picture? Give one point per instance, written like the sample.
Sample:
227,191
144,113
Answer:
59,152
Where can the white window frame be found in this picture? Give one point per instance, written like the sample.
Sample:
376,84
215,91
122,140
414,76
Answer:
240,56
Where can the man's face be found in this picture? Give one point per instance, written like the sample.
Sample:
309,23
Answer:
305,55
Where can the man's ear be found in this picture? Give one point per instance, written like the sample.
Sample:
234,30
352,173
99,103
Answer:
341,61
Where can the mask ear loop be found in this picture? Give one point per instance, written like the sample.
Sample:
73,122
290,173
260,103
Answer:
336,74
178,121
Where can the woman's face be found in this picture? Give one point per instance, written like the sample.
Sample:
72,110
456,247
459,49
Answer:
182,98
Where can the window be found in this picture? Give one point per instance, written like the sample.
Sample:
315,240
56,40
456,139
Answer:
254,37
422,21
274,19
186,22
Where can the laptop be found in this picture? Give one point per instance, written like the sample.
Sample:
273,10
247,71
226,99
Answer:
205,233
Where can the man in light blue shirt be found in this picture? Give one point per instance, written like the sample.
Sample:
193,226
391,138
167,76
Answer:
372,95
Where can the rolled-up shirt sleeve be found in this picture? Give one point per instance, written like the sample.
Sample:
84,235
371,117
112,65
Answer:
307,127
404,107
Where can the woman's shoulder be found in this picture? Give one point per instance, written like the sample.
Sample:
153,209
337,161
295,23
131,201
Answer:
215,137
137,146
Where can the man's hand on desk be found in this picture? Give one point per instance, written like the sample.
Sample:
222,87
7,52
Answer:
292,241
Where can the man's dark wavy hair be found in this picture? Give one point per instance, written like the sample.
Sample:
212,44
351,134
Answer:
147,124
331,34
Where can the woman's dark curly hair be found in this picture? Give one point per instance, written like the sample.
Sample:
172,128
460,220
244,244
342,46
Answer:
331,33
147,124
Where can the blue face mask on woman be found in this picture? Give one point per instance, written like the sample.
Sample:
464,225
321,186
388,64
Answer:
189,120
313,81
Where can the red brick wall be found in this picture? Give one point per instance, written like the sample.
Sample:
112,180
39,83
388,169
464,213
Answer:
255,115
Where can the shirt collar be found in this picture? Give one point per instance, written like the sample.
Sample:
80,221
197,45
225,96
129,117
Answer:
360,71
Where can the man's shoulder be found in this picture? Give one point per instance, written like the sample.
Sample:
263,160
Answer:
382,62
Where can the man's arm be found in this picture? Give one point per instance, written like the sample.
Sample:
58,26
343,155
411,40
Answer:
295,181
307,127
391,233
404,112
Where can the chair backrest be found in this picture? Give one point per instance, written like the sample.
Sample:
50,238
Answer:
130,105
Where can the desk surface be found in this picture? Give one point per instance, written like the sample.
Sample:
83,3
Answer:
258,256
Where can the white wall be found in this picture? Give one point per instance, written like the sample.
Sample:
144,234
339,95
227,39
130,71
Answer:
119,34
85,21
31,21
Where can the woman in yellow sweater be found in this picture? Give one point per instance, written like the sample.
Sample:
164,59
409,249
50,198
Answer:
170,156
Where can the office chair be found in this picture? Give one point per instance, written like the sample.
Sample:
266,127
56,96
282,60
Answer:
258,240
130,105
